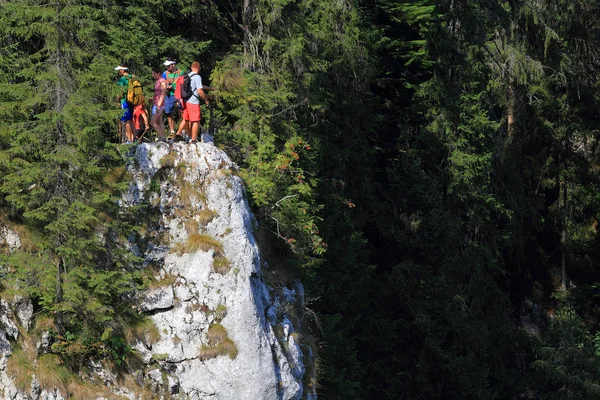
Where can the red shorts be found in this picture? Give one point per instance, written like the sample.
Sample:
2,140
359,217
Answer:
191,112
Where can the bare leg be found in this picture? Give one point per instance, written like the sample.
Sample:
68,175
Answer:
195,128
129,131
171,122
182,126
145,118
158,125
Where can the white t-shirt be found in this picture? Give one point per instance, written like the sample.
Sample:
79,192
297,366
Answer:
196,84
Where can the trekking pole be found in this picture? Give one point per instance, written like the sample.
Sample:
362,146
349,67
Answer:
142,135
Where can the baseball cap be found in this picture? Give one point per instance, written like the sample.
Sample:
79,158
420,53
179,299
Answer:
168,62
118,67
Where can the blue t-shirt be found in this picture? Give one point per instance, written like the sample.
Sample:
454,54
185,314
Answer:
196,84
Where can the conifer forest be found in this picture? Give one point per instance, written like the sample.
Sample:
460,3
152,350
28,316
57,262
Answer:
429,169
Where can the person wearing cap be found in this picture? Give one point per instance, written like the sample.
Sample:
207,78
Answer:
191,107
170,76
123,82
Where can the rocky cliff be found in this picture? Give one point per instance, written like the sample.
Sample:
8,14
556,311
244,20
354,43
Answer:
219,331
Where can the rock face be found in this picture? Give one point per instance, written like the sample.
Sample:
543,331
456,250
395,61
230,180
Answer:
222,333
212,280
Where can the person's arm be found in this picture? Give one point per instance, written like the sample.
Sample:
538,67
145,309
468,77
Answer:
145,118
202,95
200,92
163,91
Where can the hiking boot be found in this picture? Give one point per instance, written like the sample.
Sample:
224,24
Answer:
171,135
193,142
162,139
179,138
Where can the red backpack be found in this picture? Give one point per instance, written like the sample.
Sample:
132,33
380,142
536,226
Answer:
179,85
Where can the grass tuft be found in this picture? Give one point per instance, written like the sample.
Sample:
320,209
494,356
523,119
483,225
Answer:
117,175
53,374
167,280
220,312
20,368
221,264
198,241
219,344
186,193
216,334
206,215
168,161
225,348
191,226
143,331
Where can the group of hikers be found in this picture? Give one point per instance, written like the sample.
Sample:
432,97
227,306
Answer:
174,91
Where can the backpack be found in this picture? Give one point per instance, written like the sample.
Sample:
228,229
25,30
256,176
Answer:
135,95
184,87
178,85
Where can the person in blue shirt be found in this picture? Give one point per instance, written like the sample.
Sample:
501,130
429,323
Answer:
170,76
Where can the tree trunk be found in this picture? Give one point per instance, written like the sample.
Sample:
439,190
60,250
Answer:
510,110
59,90
246,17
564,236
60,265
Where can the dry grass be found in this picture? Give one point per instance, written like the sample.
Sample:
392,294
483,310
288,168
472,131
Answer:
198,241
220,312
219,344
206,215
182,213
187,192
202,197
208,352
226,347
130,383
216,334
44,323
27,239
168,161
167,280
53,374
221,264
191,226
20,368
117,175
144,331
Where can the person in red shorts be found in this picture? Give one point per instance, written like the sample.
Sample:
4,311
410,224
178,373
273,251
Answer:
191,107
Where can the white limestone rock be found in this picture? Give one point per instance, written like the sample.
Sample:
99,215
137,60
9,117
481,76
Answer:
7,320
266,362
159,299
262,368
9,238
24,309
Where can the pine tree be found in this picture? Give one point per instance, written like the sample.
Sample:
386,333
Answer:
54,159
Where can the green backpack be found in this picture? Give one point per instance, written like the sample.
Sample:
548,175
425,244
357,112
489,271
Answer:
135,95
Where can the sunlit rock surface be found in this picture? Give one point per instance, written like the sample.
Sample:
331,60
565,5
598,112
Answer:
199,243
